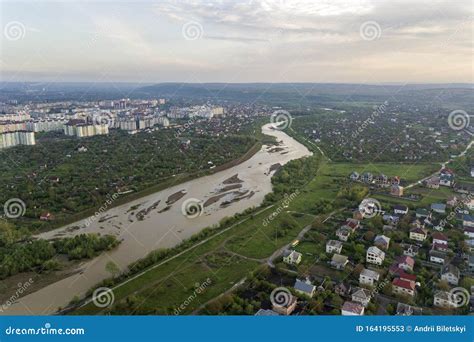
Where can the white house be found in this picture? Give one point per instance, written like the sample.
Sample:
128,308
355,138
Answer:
361,295
451,274
334,246
352,309
443,299
368,277
291,257
375,255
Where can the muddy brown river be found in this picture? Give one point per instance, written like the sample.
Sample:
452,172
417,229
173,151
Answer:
163,220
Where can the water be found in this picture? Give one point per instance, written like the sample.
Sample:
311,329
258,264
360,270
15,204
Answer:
165,229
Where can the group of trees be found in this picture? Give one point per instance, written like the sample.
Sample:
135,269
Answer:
20,253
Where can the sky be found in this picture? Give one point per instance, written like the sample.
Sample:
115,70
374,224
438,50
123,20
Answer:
357,41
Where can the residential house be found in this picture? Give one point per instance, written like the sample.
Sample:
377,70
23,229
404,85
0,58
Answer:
410,250
391,219
452,201
367,177
339,261
375,255
439,238
451,274
433,182
469,232
418,234
46,217
343,289
288,306
361,295
382,241
395,180
464,188
305,287
408,310
399,209
396,190
368,277
334,246
437,257
354,176
422,213
470,263
406,263
382,180
353,224
443,299
439,208
446,180
343,233
352,309
291,257
403,287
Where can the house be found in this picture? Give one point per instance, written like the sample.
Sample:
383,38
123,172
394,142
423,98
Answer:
368,277
406,263
400,209
440,247
410,250
382,179
367,177
470,263
305,287
396,190
343,289
352,309
354,176
451,274
418,234
287,307
422,213
391,219
446,179
433,182
439,238
437,257
46,217
452,201
408,310
403,287
375,255
472,171
395,180
343,233
382,241
469,232
361,295
266,312
464,188
291,257
353,224
443,299
333,246
339,261
438,208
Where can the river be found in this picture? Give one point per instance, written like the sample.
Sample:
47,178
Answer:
150,223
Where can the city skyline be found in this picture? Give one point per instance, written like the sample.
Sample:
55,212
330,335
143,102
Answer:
237,42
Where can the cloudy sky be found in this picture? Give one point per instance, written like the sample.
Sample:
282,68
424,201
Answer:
354,41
